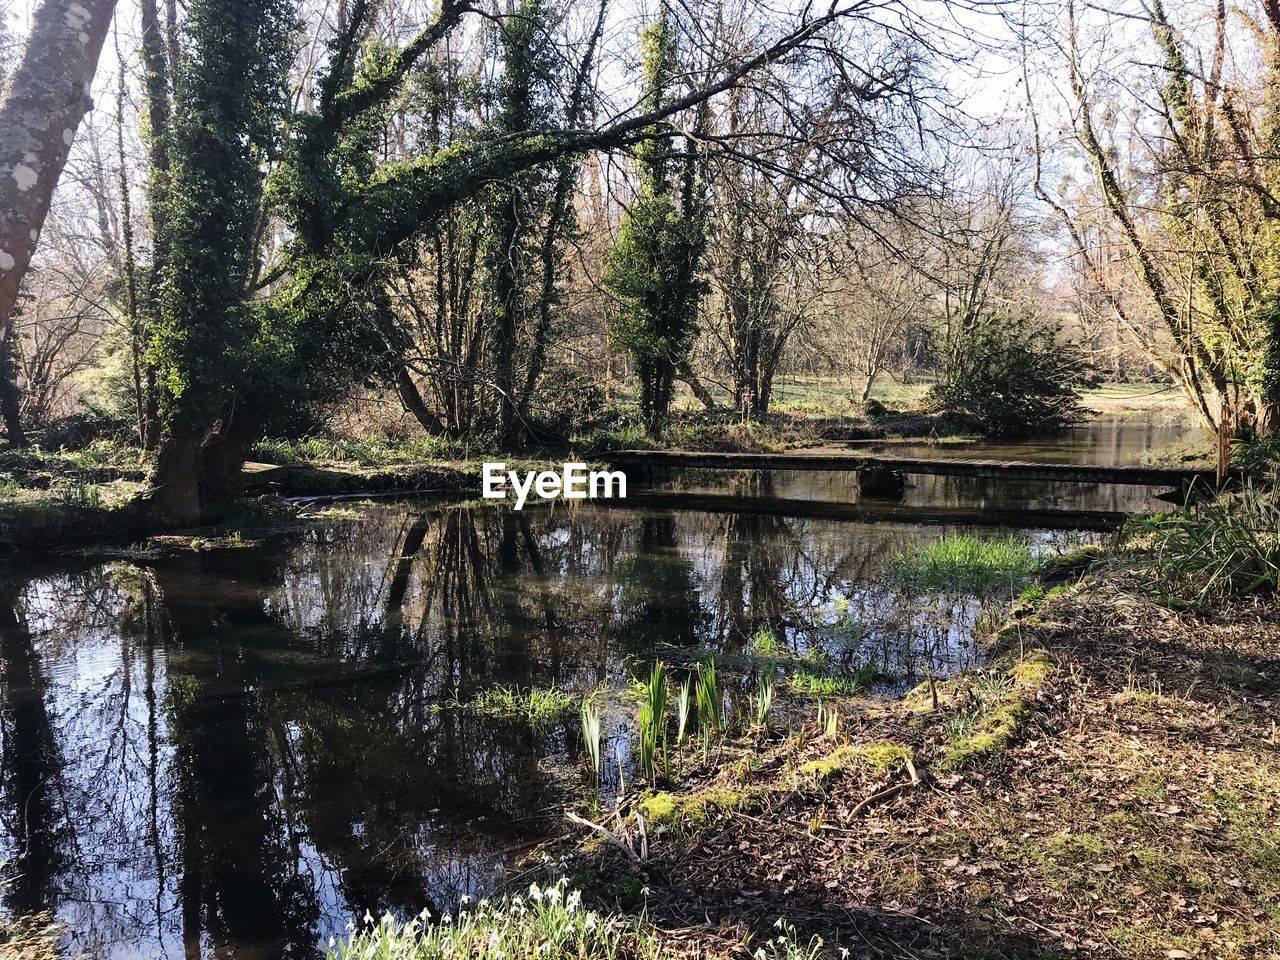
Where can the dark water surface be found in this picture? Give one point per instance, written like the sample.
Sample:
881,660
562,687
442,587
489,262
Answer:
231,753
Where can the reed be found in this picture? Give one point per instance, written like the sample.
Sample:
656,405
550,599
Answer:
653,722
683,699
707,696
764,698
828,720
591,736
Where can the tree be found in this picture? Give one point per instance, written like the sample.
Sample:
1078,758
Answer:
43,103
654,268
1188,190
235,352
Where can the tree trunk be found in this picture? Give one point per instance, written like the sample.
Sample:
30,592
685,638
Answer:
10,398
46,99
685,373
197,477
411,397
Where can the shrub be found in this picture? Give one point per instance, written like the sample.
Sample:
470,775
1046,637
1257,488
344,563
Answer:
1010,379
1224,547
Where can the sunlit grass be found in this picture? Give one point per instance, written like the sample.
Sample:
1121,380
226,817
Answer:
967,564
809,682
369,453
541,707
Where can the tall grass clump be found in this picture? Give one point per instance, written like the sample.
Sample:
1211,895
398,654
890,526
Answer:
1222,548
550,923
967,564
653,721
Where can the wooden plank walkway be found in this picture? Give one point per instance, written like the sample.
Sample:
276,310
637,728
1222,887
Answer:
935,466
867,511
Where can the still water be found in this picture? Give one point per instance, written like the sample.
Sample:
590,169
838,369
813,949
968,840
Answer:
231,753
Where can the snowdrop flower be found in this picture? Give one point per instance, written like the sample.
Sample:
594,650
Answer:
535,893
574,901
552,894
844,953
446,919
465,899
591,920
644,891
332,942
351,925
368,917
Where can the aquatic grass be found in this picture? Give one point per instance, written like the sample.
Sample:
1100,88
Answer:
550,922
652,721
77,493
765,643
1221,548
808,682
540,706
968,564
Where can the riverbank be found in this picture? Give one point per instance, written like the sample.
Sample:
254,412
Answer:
1104,787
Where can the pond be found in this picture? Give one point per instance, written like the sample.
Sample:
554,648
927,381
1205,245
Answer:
233,752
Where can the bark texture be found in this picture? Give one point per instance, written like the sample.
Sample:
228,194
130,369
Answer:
40,110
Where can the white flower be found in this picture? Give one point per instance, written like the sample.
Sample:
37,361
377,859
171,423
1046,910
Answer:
465,899
535,893
552,894
844,952
644,891
591,920
332,942
574,901
368,917
446,919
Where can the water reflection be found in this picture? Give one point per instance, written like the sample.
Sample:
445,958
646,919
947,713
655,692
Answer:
231,753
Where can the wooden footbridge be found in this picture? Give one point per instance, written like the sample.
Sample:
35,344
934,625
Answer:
826,460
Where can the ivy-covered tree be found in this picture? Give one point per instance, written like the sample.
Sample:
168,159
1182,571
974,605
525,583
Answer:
234,351
653,269
206,341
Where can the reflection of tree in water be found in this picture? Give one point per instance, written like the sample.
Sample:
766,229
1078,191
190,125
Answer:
34,814
241,877
658,600
244,748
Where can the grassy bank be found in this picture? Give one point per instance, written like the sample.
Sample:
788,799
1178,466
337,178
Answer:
1104,786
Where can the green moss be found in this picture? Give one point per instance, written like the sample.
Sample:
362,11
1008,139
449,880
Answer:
669,811
877,757
995,728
